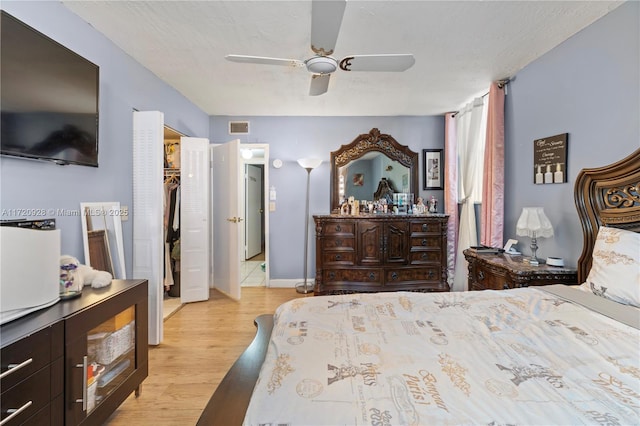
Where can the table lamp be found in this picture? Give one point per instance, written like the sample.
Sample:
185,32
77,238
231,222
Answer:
534,223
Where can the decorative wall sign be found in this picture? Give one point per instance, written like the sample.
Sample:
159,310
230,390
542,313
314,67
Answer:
432,169
550,159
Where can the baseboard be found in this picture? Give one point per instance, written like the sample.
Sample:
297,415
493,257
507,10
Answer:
288,283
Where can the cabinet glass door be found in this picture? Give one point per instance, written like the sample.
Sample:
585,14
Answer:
110,356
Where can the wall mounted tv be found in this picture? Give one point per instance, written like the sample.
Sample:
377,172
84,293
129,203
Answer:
49,98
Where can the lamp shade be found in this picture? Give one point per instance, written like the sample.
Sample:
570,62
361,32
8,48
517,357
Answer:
534,223
309,163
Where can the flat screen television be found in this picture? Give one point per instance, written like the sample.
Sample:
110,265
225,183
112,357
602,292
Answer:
49,98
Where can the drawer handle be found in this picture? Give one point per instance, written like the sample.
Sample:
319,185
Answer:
424,227
332,275
13,412
12,368
372,276
394,276
431,274
480,276
85,367
338,228
424,256
424,242
339,243
338,257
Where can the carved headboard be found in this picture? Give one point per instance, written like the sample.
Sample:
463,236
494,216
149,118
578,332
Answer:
609,196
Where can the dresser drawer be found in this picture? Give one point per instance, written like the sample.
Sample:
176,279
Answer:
333,228
369,276
24,357
431,241
485,279
338,243
426,226
418,256
332,258
32,393
411,275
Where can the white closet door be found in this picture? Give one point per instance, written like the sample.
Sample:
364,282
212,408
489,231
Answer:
194,219
148,247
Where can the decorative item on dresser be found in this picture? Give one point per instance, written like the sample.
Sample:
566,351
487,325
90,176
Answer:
497,271
380,253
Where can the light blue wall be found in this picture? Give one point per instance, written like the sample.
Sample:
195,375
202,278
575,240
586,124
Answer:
290,138
589,87
124,86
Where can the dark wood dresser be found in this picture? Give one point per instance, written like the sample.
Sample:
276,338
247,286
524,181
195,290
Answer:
489,271
370,253
48,355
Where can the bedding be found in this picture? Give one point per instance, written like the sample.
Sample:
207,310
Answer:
532,355
615,269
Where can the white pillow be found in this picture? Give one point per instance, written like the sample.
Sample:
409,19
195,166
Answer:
615,269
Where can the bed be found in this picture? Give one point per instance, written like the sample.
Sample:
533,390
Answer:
539,355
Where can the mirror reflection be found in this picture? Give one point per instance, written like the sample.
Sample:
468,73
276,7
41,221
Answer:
366,178
373,167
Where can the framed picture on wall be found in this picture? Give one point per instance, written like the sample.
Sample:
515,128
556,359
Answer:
432,169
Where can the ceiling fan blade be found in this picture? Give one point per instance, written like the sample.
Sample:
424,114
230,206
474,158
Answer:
391,62
264,61
319,84
326,18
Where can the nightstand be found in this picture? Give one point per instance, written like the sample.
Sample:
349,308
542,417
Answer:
489,271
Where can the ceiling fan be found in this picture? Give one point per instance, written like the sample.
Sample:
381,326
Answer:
326,19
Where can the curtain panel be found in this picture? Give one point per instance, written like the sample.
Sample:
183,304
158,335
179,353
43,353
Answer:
492,217
470,141
451,192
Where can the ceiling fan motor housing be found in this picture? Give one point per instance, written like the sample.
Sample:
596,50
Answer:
321,65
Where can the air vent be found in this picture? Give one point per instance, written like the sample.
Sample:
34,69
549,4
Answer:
238,127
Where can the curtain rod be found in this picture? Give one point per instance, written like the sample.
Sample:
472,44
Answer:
501,84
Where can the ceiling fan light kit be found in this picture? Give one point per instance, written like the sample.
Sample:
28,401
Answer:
322,65
326,19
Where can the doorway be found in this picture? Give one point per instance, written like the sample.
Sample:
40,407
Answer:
253,263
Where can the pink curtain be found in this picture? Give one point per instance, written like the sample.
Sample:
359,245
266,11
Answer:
493,181
451,191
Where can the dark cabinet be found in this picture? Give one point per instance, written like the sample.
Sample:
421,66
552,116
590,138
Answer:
78,360
380,253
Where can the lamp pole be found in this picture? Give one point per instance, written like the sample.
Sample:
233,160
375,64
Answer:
308,164
302,288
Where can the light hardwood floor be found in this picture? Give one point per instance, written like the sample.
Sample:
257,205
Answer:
201,342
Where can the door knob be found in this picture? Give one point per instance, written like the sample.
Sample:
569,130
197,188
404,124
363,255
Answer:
234,219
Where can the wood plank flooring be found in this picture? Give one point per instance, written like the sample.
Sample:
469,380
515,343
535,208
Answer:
201,342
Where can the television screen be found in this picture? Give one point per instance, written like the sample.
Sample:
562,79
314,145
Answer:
49,98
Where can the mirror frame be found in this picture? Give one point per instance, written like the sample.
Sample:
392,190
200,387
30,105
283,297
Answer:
367,142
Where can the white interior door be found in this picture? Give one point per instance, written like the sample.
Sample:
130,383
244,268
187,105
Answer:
194,219
148,246
225,195
254,210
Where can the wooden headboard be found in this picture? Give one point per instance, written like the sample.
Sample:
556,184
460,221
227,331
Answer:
609,196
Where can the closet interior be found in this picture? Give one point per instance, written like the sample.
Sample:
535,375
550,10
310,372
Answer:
171,222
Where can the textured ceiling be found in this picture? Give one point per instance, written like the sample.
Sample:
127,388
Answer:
459,47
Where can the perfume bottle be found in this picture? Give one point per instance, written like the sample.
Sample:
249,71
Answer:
539,177
558,176
548,176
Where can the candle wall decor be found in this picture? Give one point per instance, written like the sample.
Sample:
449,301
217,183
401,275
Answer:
550,159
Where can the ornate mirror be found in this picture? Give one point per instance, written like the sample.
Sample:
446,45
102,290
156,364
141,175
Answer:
371,160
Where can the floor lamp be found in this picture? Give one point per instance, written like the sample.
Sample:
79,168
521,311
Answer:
308,164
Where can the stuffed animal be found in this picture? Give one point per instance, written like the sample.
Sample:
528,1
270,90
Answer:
75,274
